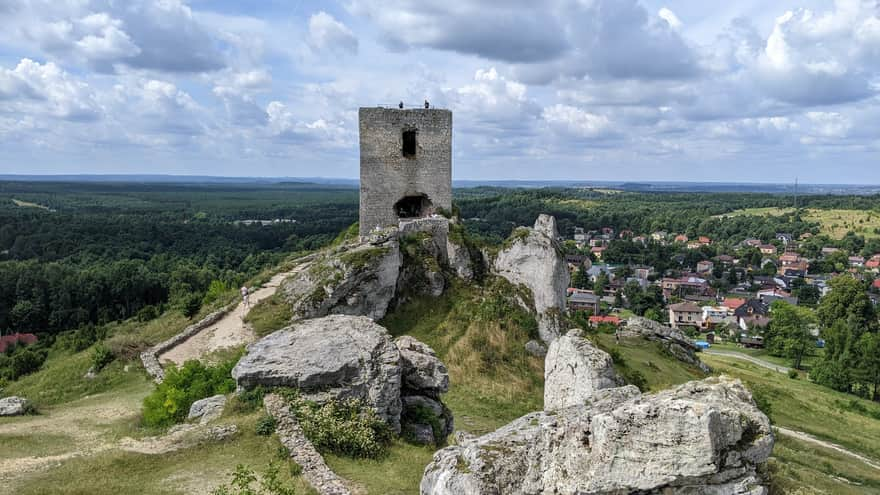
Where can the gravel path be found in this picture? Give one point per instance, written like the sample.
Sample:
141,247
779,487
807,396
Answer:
229,331
751,359
806,437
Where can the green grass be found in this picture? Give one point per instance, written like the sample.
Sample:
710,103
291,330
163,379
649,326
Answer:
834,222
804,406
492,379
61,379
398,473
268,315
27,444
660,369
180,472
800,467
763,354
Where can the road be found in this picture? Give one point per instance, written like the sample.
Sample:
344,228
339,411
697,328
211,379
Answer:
751,359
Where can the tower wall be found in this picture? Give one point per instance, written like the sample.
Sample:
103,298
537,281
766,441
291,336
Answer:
389,177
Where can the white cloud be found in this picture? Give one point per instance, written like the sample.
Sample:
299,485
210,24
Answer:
670,17
326,33
576,121
46,89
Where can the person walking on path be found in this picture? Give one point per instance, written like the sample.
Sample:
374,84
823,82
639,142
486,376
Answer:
245,297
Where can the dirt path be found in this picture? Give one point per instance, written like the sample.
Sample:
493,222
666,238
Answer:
85,426
751,359
229,331
806,437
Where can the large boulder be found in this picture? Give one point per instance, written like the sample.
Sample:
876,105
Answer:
14,406
358,279
704,437
208,409
674,340
575,371
533,257
422,372
334,357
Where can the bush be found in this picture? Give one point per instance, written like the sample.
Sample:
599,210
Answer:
344,427
247,401
171,400
793,374
216,290
243,478
147,313
101,357
265,426
191,305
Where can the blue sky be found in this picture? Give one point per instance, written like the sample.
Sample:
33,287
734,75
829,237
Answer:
743,91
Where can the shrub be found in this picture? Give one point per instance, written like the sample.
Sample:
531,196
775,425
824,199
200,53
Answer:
215,291
191,305
247,401
793,374
147,313
265,426
101,357
171,400
243,479
344,427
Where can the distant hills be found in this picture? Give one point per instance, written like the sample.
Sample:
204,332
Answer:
647,186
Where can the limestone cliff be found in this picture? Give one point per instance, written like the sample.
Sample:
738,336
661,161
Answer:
533,257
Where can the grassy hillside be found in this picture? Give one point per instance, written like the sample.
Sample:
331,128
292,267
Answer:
833,222
801,405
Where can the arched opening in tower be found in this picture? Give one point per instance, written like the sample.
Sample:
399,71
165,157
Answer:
413,206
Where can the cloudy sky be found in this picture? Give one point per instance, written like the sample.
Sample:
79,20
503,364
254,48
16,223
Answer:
747,91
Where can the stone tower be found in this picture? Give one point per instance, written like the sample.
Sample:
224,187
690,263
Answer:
406,164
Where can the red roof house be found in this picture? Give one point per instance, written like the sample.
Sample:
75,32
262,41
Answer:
874,262
876,284
7,341
596,320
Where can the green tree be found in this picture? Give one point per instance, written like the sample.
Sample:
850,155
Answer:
601,282
580,279
789,333
846,299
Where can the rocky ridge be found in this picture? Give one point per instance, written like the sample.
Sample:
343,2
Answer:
703,437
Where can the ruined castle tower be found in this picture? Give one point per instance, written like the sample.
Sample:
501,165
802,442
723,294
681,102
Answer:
406,164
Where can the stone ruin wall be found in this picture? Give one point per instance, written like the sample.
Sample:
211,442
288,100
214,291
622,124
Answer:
387,176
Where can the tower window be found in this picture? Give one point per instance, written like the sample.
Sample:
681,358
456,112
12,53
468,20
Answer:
409,144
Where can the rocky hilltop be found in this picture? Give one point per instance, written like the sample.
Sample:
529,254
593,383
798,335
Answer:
598,437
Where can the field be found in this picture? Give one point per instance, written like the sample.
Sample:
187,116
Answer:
26,204
833,222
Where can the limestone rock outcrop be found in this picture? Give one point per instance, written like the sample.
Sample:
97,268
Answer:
358,280
207,409
14,406
702,438
423,373
533,257
575,371
677,343
425,418
334,357
352,357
